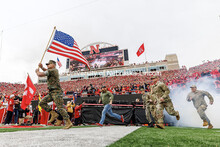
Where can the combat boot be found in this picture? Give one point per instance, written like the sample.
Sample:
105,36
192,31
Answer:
161,126
210,126
68,124
151,125
54,115
205,123
178,116
58,122
21,121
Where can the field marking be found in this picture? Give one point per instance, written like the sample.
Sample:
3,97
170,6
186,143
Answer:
81,137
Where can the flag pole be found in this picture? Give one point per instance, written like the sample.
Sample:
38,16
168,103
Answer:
145,55
48,44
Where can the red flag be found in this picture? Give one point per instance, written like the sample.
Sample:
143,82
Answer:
140,50
29,92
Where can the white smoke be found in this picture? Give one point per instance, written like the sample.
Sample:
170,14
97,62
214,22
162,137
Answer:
188,114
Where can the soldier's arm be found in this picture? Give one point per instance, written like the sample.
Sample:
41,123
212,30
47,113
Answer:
41,66
209,96
166,90
40,74
144,101
188,98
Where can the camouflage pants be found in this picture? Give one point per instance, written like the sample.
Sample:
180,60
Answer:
201,112
168,107
150,111
58,100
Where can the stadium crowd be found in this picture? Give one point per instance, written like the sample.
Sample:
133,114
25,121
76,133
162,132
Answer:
127,84
118,85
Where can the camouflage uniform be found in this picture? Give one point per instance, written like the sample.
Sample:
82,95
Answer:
55,93
160,90
200,103
150,107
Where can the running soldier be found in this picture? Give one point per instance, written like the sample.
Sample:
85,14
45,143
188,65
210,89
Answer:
149,104
107,97
197,96
161,92
55,93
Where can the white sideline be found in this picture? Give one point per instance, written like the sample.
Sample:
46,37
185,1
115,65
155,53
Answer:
80,137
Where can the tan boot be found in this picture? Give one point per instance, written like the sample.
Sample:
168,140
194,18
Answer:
210,126
178,116
161,126
68,124
205,123
21,120
54,115
58,122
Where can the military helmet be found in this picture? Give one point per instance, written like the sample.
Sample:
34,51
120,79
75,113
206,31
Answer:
51,62
193,86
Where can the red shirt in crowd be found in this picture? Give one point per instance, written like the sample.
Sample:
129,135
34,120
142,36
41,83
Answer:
11,105
78,111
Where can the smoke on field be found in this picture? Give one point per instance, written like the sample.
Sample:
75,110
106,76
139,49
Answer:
188,113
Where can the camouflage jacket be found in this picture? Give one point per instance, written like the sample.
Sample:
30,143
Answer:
53,81
146,99
160,90
198,98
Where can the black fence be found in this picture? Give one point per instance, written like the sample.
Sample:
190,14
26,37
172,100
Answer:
123,105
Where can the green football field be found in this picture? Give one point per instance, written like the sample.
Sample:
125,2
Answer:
170,137
144,137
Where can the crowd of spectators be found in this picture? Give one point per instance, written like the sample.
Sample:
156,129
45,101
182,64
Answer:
118,85
130,84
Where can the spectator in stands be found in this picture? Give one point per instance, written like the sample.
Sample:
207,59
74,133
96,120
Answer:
70,106
77,114
10,110
23,115
36,114
2,108
17,102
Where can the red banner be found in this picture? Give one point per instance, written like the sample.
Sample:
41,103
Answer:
140,50
29,92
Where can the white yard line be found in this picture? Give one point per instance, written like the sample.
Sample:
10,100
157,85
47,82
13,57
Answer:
80,137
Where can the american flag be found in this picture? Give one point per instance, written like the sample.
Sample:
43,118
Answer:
64,45
59,63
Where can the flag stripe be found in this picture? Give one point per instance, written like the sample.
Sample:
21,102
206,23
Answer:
65,49
73,48
69,56
72,53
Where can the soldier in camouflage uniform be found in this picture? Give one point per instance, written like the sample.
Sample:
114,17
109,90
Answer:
197,96
161,92
55,93
149,104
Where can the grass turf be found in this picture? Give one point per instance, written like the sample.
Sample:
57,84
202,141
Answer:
2,130
169,137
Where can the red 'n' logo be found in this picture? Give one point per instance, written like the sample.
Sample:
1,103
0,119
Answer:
96,50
